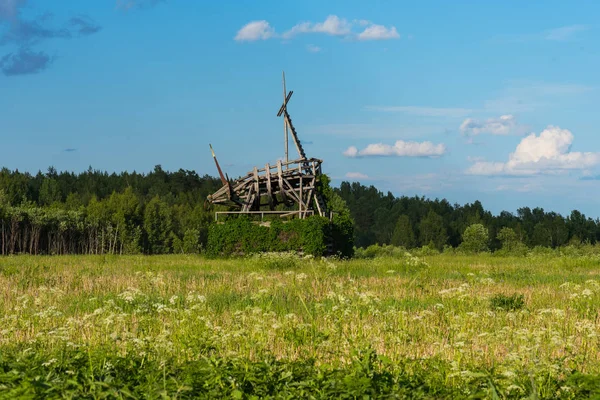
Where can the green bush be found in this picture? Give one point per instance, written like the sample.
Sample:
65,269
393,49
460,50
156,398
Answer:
239,236
475,239
376,250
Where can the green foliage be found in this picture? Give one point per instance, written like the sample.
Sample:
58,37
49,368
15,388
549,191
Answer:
375,251
511,245
508,303
191,241
157,224
104,213
429,250
101,374
49,192
403,233
342,228
239,236
279,326
433,231
475,239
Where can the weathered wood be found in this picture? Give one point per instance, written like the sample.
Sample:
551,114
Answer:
280,179
269,191
291,182
301,198
285,126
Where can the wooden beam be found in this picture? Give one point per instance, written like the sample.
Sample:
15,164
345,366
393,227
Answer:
301,199
269,191
280,178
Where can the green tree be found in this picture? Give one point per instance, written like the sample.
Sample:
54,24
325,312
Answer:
541,235
432,230
157,224
49,192
403,233
475,239
342,229
508,237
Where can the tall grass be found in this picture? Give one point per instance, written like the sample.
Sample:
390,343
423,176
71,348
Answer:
184,326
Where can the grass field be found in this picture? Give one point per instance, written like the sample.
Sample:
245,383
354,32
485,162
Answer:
444,326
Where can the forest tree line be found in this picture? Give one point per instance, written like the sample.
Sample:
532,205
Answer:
95,212
382,218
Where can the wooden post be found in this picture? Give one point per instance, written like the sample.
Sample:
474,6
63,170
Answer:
269,191
285,127
280,177
301,199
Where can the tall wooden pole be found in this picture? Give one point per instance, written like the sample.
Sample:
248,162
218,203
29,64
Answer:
285,127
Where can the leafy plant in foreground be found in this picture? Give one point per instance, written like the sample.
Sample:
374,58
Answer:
508,303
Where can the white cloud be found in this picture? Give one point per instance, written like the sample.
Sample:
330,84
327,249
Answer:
496,126
564,33
356,175
313,49
333,25
378,32
424,111
547,153
351,151
255,30
362,22
399,149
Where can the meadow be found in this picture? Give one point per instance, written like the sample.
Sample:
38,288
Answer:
279,326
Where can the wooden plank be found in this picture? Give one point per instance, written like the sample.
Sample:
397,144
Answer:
269,192
300,205
247,204
316,200
280,178
256,186
291,190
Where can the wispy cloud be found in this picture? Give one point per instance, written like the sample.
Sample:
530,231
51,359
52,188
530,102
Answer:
504,125
131,4
519,187
24,62
311,48
516,97
375,130
398,149
559,34
356,175
564,33
83,25
547,153
424,111
27,33
333,25
525,96
9,9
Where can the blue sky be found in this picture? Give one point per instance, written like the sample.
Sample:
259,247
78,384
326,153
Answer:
495,101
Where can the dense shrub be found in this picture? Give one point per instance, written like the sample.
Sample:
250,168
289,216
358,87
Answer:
239,236
475,239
